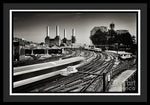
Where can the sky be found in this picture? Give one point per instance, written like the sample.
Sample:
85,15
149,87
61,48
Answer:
32,26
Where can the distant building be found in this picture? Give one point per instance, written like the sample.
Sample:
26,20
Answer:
57,41
121,31
51,42
111,31
19,46
110,34
66,41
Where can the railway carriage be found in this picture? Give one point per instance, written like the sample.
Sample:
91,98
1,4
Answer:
43,51
125,56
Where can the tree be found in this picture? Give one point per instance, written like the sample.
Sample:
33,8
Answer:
125,38
99,38
111,41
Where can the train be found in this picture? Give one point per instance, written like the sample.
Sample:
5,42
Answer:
93,49
125,55
70,70
122,55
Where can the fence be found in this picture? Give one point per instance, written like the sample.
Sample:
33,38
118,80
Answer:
101,84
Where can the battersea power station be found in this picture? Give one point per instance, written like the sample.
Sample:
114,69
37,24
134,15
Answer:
57,41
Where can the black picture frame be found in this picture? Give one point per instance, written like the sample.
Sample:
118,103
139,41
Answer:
69,98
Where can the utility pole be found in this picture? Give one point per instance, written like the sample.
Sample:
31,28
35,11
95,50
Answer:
104,86
117,48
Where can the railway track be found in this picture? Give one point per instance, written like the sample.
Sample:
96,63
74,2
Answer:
88,82
61,79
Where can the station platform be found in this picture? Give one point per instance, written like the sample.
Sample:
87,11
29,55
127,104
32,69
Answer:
42,66
28,74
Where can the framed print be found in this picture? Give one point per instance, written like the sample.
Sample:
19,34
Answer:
90,53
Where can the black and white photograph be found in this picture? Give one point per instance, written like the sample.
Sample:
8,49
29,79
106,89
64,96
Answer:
77,52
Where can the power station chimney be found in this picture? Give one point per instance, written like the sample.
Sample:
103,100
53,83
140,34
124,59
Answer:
57,30
73,32
47,30
73,39
64,33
